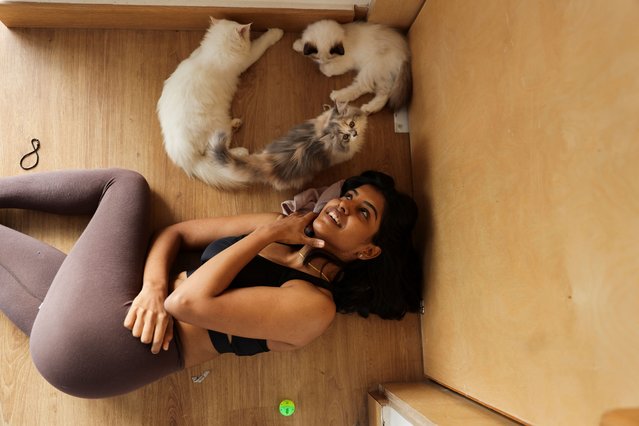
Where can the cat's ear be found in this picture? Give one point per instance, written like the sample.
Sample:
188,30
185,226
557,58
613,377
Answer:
213,20
341,106
298,46
326,107
321,121
244,30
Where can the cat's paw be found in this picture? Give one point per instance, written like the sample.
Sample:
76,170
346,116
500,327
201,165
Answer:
236,123
371,108
368,110
274,34
338,97
239,151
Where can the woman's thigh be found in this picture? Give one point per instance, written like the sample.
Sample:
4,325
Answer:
78,341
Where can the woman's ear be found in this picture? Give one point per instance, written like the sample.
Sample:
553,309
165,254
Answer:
370,252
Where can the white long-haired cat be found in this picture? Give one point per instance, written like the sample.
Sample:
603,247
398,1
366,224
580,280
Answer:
379,54
196,98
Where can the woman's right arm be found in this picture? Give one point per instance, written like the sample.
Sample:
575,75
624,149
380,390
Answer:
194,234
147,317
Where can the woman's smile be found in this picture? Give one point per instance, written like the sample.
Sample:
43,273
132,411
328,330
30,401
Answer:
334,214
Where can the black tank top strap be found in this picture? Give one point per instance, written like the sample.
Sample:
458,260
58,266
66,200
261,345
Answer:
316,281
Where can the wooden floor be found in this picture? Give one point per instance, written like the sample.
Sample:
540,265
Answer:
90,97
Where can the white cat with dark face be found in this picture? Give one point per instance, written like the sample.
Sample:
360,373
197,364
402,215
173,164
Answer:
379,54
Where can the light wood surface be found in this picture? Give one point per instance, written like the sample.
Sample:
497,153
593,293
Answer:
89,96
138,17
389,12
376,401
621,417
525,142
427,403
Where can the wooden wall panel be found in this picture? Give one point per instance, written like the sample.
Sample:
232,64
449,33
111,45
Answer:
389,12
144,17
525,142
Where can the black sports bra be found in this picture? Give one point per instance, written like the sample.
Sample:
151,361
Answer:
254,272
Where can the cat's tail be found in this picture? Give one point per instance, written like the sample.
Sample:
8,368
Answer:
216,169
244,168
402,88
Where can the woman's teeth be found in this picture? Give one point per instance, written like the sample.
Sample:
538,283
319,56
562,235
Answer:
333,215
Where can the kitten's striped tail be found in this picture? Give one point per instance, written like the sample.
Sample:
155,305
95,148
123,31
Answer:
215,169
238,164
402,88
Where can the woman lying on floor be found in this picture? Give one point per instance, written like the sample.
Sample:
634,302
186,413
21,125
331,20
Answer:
107,319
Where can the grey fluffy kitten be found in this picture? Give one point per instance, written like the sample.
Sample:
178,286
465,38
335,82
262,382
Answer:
292,160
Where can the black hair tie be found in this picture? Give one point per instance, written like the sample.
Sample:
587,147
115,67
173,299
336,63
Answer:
36,146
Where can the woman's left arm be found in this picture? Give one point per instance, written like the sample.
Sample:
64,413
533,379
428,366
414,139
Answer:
295,313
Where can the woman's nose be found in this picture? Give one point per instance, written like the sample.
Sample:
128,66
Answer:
343,206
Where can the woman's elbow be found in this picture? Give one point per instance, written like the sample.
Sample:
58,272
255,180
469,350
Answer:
178,305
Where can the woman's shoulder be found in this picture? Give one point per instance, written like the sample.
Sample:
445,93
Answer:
312,295
314,304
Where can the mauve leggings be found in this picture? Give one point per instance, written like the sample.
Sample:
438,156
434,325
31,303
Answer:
73,306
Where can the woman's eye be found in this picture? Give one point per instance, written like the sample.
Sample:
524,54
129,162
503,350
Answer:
351,124
348,196
365,213
346,137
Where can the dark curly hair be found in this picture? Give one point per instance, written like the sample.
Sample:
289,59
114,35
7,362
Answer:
390,284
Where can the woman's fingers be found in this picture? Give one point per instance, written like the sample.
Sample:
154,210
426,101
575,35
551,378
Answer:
168,335
159,332
291,229
129,320
307,218
308,221
150,327
315,242
138,326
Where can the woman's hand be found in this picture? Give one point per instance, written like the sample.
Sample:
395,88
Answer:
290,229
148,320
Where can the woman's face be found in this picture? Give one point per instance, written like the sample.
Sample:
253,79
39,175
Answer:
347,224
